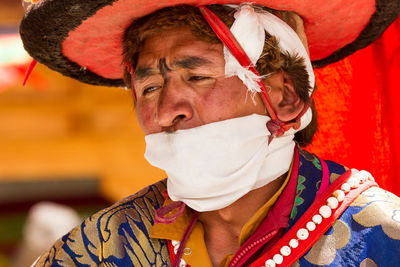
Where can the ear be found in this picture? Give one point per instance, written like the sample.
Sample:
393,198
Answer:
284,99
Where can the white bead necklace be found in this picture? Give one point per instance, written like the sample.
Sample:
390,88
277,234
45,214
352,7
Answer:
324,212
186,251
302,234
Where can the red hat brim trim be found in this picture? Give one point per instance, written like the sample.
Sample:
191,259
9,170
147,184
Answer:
96,44
83,39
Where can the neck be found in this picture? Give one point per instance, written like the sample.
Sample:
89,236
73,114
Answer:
222,227
246,207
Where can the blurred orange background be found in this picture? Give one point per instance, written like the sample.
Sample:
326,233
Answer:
61,139
58,127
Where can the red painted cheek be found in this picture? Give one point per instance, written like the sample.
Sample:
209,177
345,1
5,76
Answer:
146,115
231,99
222,102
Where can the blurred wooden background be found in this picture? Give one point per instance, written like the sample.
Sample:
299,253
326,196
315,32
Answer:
67,129
57,127
60,141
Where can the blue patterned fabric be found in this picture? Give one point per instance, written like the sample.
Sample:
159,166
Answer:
367,233
116,236
310,176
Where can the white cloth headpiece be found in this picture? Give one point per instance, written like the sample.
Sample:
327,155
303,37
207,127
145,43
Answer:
249,30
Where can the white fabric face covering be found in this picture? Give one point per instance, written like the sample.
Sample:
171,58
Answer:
211,166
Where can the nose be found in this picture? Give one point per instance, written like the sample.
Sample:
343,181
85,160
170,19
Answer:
174,106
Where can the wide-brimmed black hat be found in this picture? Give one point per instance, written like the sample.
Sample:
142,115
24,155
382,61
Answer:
83,39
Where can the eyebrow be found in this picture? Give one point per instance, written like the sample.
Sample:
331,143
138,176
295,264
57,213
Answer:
143,72
190,62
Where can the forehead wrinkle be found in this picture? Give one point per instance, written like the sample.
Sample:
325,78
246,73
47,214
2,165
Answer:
162,66
187,62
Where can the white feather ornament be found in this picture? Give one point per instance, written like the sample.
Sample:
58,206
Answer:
251,35
249,30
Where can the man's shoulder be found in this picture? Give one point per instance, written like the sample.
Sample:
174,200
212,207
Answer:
137,211
143,203
378,207
368,232
311,163
117,235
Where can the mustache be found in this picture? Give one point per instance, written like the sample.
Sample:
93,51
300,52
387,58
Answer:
169,129
174,125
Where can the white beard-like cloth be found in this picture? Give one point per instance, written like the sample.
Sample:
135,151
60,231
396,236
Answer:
211,166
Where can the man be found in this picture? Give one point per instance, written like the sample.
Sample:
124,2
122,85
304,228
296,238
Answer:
220,109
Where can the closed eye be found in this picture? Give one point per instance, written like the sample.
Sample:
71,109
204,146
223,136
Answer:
150,89
198,78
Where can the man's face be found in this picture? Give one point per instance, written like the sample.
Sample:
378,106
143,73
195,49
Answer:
180,83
